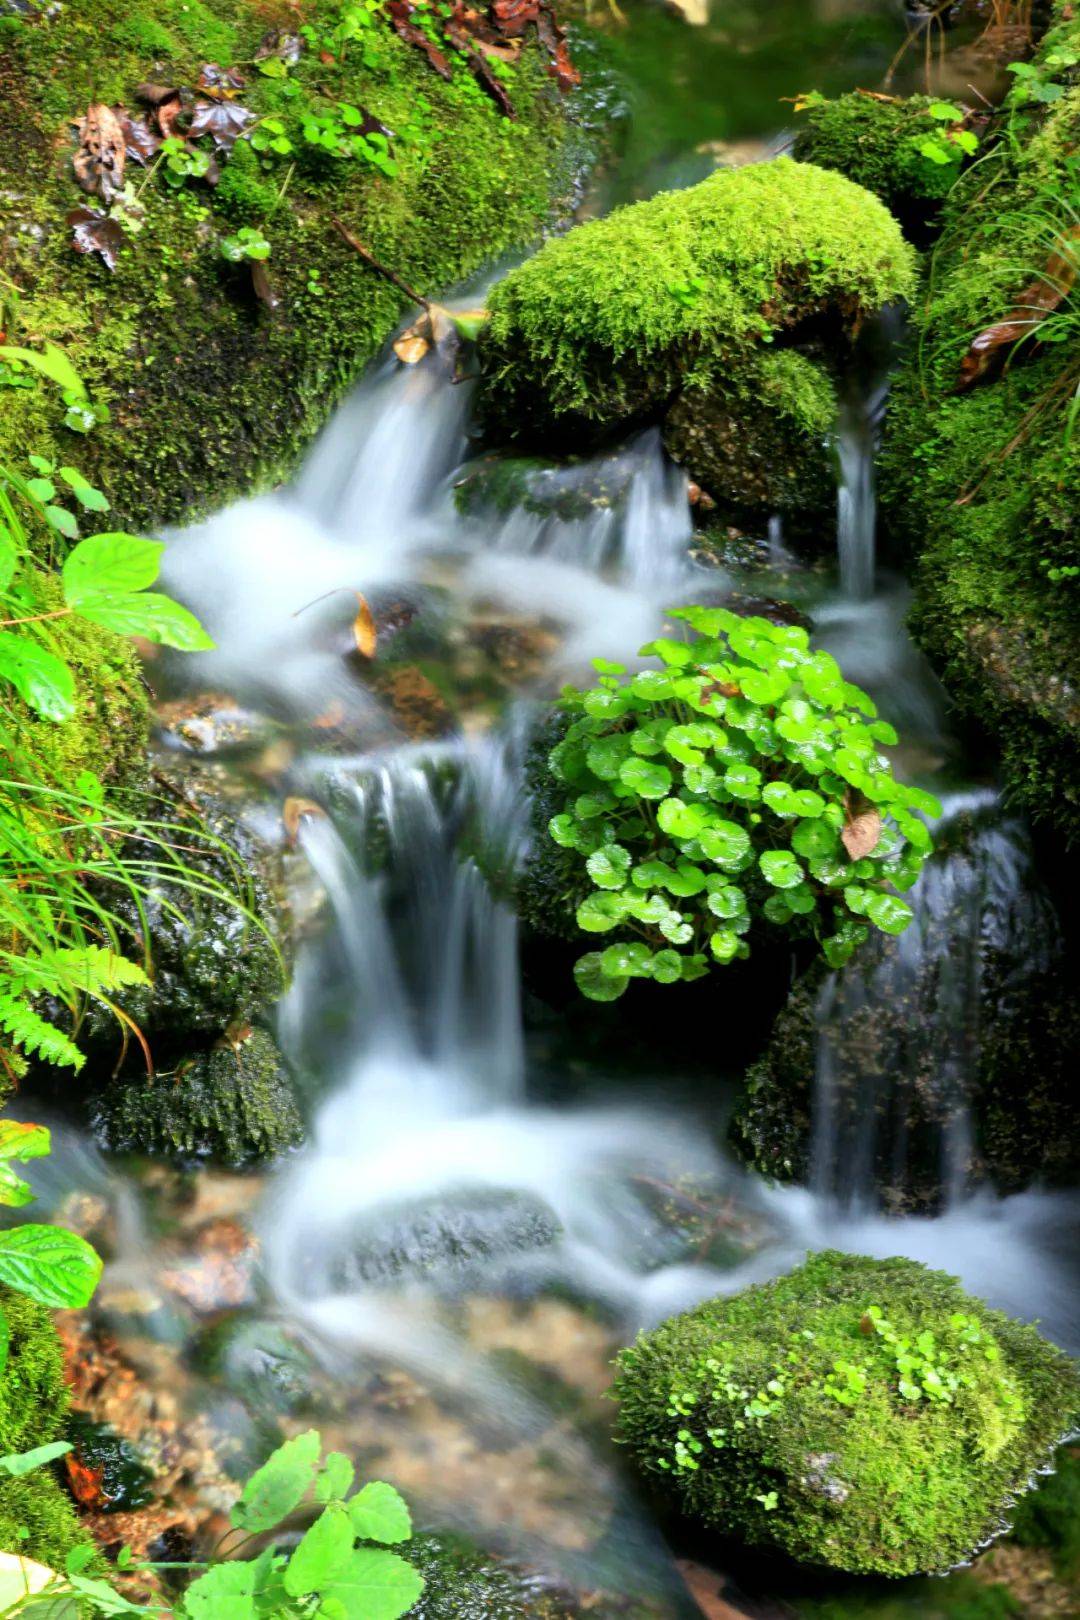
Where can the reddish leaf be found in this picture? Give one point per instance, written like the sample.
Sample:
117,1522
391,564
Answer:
553,39
167,104
400,14
94,232
514,16
85,1482
293,812
140,140
223,121
99,162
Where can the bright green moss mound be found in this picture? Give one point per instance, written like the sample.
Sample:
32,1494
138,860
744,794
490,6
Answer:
211,392
983,487
33,1406
878,144
862,1414
607,321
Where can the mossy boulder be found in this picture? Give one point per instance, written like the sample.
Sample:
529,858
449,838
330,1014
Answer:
609,323
213,393
756,438
233,1104
461,1583
981,487
885,144
866,1415
33,1409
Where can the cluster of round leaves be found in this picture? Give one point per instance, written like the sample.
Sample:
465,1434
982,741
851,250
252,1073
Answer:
741,784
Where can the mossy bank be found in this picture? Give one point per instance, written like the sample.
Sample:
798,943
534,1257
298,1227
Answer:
980,484
211,392
866,1415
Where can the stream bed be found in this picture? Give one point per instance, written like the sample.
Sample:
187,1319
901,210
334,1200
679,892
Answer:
484,1211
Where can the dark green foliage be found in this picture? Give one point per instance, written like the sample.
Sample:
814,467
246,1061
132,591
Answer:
1049,1516
862,1414
696,833
982,487
232,1104
610,321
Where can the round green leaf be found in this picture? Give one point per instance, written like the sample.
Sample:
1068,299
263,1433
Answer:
600,913
648,779
609,867
593,982
725,842
110,564
888,912
681,820
780,868
815,839
627,961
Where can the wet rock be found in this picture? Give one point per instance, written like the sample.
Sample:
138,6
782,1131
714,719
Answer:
234,1104
213,723
104,1471
257,1361
220,1274
416,703
447,1237
462,1583
821,1478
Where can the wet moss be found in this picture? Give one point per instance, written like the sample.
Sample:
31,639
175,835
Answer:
878,144
866,1415
36,1516
463,1584
608,322
981,488
1049,1516
211,393
233,1105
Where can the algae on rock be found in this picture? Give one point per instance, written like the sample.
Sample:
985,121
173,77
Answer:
866,1415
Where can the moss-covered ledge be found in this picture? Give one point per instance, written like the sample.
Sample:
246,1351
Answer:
211,393
982,486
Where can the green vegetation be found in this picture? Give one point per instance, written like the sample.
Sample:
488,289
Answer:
907,152
862,1414
740,785
175,320
981,483
611,320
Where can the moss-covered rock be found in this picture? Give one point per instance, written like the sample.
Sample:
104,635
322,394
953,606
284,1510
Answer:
211,392
609,322
462,1584
982,486
33,1408
233,1104
883,144
756,439
1049,1515
862,1414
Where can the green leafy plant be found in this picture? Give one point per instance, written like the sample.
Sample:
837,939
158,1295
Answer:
357,24
183,161
248,243
269,139
51,362
342,1567
952,143
349,133
738,788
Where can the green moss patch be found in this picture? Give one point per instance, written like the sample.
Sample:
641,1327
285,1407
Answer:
212,393
608,321
862,1414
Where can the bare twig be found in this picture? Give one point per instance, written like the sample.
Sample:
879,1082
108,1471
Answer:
381,269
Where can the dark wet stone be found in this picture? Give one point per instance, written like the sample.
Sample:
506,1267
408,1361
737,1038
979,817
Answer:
447,1237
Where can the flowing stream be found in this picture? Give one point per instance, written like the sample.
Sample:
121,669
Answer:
453,1221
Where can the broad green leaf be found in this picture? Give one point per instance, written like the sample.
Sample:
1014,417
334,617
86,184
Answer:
780,868
815,839
378,1512
647,778
5,1342
24,1462
50,361
85,493
667,967
63,521
19,1141
743,782
55,1267
888,912
681,820
600,913
724,944
225,1592
725,842
377,1585
606,755
43,681
105,1601
609,867
334,1478
593,982
323,1552
279,1485
150,615
602,705
109,565
652,684
563,830
627,961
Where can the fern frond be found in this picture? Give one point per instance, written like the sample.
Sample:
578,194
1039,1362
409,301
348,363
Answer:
35,1035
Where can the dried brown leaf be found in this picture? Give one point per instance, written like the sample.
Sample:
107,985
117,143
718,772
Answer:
364,632
167,103
94,232
1037,300
140,140
415,342
293,812
706,1588
223,121
861,834
260,281
400,12
99,162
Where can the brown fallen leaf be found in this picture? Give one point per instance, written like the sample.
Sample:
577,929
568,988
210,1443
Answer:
223,121
553,38
141,142
167,104
260,281
364,632
220,82
706,1588
99,161
861,834
293,812
1038,300
274,43
94,232
85,1482
400,12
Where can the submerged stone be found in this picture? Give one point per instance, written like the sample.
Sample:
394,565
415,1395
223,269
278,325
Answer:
233,1104
446,1237
866,1415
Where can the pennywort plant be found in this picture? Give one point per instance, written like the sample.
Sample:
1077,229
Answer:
736,790
341,1568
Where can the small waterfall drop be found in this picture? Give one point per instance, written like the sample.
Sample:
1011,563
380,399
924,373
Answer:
901,1030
